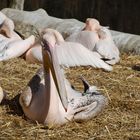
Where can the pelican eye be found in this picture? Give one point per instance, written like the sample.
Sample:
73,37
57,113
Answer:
90,93
44,44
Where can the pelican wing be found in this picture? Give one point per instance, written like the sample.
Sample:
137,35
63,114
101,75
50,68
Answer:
74,54
87,38
108,50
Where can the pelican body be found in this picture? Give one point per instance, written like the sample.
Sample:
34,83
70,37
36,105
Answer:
49,98
7,27
97,39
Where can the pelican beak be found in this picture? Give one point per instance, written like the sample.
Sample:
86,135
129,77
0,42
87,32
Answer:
85,83
49,64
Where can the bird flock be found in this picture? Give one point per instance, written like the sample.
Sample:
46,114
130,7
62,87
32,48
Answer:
49,98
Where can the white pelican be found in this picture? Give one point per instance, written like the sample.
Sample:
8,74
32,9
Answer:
69,53
49,98
11,44
7,27
98,39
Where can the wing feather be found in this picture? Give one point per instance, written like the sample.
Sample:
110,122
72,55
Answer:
74,54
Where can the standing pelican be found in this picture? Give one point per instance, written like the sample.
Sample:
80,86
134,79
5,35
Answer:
49,98
98,39
69,53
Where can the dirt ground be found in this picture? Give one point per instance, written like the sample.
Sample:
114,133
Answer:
120,120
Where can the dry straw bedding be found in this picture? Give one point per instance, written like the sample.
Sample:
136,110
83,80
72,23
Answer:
120,120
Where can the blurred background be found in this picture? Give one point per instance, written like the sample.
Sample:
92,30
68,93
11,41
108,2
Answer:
120,15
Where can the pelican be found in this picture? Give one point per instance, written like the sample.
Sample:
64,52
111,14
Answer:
11,44
98,39
50,99
7,27
69,53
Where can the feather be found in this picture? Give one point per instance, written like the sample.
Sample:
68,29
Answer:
74,54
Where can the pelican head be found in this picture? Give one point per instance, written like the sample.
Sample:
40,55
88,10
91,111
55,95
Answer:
56,37
92,24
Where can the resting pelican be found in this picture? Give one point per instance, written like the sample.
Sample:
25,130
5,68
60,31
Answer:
49,98
69,53
7,27
98,39
11,44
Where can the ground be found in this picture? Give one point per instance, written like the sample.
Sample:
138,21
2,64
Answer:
120,120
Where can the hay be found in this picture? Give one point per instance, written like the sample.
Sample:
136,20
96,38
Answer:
120,120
